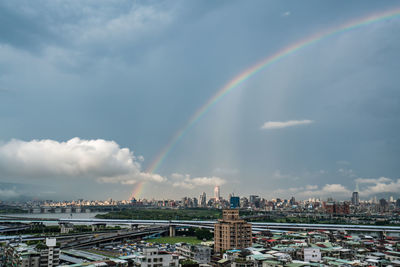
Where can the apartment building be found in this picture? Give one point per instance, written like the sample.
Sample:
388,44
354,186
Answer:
231,232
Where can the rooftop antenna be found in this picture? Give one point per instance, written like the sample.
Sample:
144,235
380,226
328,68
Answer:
357,188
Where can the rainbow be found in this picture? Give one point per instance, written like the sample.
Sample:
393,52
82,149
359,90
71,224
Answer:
253,70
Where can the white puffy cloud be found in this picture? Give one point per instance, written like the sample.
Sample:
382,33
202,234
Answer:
311,187
99,159
369,187
333,190
133,178
186,181
378,185
283,124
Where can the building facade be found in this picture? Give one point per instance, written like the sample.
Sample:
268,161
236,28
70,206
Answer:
231,232
217,194
234,202
203,200
337,208
355,200
312,254
41,255
153,257
201,254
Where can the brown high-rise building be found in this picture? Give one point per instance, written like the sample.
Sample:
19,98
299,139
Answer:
337,208
231,232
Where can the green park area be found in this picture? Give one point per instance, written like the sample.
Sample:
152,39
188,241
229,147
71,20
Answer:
163,214
190,236
176,239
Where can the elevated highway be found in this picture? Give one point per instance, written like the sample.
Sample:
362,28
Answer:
89,239
95,240
257,226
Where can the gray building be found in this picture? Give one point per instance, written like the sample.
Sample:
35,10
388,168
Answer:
201,254
355,200
40,255
203,200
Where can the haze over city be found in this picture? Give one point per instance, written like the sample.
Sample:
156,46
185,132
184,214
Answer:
105,99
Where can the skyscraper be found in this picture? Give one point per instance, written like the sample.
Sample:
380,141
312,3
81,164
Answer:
234,202
383,205
355,199
255,201
203,200
216,193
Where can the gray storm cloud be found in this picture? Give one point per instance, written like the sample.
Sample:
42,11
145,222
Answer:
135,71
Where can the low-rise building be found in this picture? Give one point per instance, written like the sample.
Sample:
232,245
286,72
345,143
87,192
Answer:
153,257
39,255
201,254
312,254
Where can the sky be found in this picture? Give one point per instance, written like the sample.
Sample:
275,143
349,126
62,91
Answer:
91,92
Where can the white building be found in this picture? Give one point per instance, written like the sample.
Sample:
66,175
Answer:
217,194
39,255
312,255
152,257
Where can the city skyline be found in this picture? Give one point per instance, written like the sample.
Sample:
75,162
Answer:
150,99
204,200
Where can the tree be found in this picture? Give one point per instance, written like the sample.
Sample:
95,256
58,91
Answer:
202,234
189,263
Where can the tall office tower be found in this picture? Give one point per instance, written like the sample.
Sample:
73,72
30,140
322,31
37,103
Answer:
383,205
355,199
195,203
255,201
217,195
234,202
231,232
203,200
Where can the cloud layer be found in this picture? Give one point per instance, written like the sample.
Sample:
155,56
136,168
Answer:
368,188
135,71
283,124
185,181
97,159
371,187
8,193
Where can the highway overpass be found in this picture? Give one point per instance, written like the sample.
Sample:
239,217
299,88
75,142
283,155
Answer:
257,226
